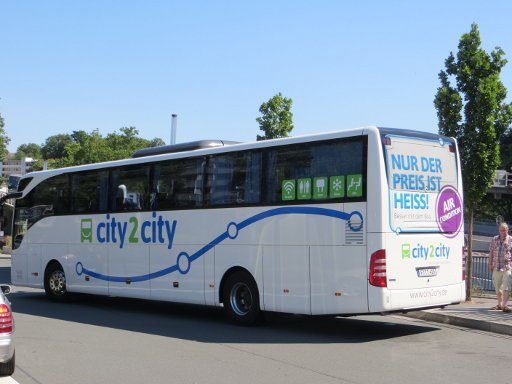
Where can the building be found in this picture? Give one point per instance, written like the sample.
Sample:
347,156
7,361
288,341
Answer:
10,166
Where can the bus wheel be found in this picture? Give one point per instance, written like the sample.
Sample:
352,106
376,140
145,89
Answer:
241,299
55,282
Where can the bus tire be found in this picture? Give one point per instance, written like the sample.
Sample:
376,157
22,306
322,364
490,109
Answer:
55,282
241,299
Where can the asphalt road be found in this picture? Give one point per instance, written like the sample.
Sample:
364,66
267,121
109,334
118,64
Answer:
112,340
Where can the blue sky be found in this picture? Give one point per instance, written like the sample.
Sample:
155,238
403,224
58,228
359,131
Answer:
85,65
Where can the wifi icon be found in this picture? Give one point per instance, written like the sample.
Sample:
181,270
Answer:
288,190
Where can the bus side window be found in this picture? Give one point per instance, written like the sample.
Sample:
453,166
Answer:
130,189
89,191
53,195
235,179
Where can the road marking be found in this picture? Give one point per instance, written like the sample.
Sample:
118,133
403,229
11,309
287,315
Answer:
8,380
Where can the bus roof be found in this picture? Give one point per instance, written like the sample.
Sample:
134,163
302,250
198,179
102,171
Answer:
412,133
182,147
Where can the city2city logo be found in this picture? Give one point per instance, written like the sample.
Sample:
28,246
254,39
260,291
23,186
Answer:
86,231
322,188
423,252
112,230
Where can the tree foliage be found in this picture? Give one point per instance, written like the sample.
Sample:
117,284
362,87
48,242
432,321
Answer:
4,139
81,147
85,148
479,96
28,150
506,152
470,107
55,146
277,119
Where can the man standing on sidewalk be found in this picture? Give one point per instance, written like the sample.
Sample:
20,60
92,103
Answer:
500,263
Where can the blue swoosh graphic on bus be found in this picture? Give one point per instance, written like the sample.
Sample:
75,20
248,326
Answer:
184,260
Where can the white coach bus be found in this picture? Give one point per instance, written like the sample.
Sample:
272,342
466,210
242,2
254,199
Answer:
358,221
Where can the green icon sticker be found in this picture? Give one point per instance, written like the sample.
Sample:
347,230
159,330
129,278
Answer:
406,251
86,230
320,187
304,189
288,190
355,185
336,186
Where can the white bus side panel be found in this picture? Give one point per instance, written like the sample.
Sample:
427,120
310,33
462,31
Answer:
178,287
19,275
293,278
129,266
338,279
95,257
286,279
210,288
266,241
35,273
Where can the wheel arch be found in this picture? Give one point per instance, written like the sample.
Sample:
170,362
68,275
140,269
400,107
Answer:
51,262
230,272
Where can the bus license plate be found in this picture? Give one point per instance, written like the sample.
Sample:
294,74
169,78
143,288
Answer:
427,272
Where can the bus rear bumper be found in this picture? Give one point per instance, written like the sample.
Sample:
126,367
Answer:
413,299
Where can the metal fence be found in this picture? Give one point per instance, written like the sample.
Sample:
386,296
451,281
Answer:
482,277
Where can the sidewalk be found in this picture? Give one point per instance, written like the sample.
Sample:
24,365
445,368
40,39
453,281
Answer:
476,315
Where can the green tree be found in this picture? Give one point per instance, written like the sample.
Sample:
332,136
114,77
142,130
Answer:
50,164
80,137
156,142
125,144
473,111
4,140
277,118
80,147
28,150
55,146
506,151
88,149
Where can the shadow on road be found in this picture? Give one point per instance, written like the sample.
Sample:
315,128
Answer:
207,324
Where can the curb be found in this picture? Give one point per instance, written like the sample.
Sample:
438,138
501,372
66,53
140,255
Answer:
437,317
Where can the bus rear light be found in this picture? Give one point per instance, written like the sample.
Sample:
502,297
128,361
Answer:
378,275
5,319
451,148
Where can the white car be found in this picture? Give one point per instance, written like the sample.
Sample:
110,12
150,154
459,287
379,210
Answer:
7,355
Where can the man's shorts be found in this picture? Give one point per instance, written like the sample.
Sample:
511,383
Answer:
501,280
